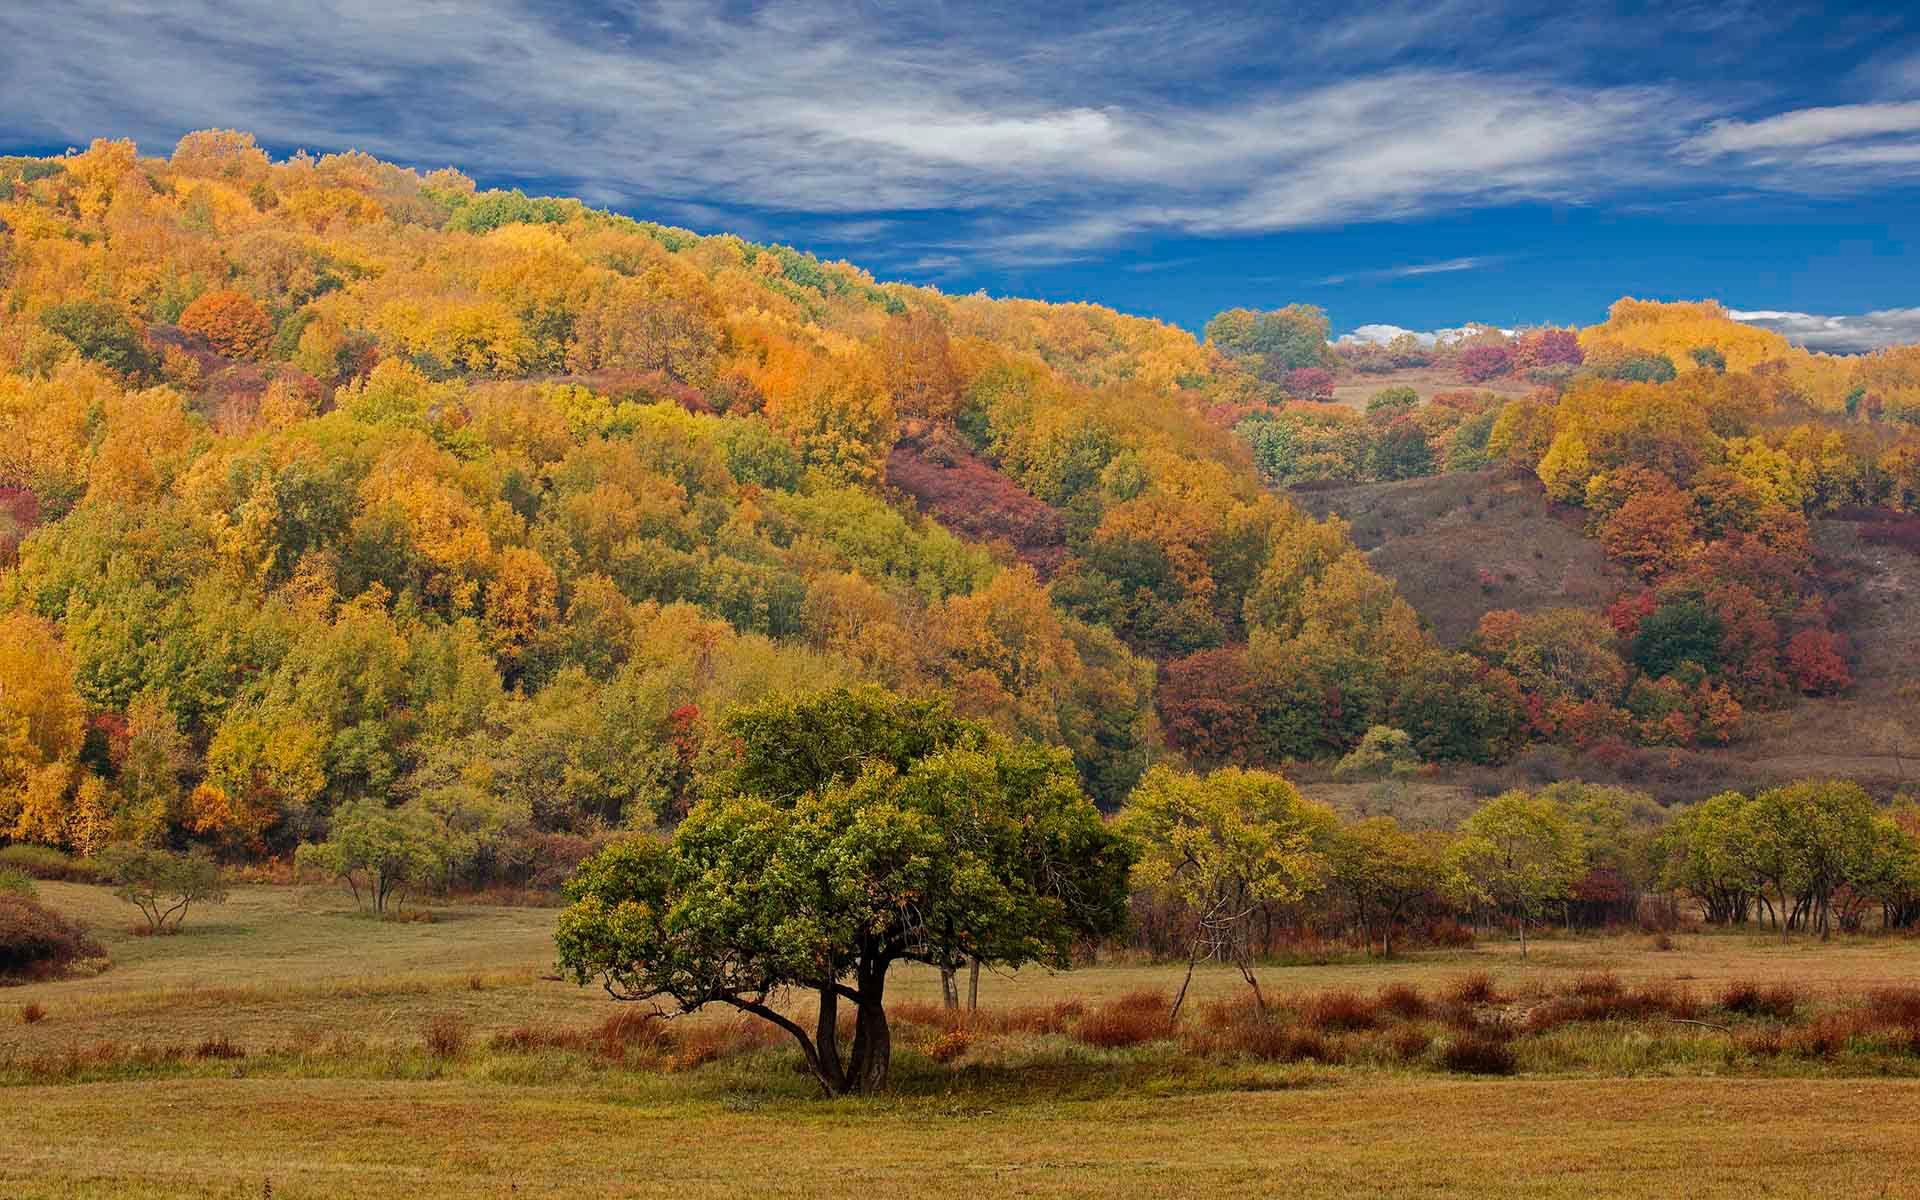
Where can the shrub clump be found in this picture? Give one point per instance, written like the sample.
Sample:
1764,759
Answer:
1478,1054
446,1037
1476,988
1403,1000
949,1045
1129,1020
1340,1009
1750,999
36,942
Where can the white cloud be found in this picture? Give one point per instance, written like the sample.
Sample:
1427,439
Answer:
1055,134
1380,335
1470,263
1802,128
1840,334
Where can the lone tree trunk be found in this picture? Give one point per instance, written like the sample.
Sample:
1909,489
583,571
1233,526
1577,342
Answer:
1193,957
973,987
826,1038
872,1042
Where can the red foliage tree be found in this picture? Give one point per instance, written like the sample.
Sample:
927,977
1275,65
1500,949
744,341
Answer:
1208,706
1481,363
1547,348
1816,662
1309,383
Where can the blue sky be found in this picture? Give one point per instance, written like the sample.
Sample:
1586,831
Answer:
1416,164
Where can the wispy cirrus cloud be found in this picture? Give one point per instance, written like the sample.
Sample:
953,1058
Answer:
1807,128
1444,267
1049,130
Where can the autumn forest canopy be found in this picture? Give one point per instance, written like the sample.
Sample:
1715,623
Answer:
339,498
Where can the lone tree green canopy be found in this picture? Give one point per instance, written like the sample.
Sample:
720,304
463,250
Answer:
856,831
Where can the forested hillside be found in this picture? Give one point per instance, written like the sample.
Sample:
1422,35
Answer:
324,483
327,483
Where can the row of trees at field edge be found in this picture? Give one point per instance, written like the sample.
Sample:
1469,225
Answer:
855,830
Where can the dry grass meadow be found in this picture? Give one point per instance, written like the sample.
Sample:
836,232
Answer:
284,1046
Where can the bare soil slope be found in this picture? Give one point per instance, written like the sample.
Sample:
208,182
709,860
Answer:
1465,544
1462,545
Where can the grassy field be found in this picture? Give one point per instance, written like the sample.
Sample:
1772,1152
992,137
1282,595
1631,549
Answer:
324,1082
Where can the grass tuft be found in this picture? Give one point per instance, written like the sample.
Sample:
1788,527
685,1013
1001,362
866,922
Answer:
1129,1020
446,1037
1478,1054
1750,999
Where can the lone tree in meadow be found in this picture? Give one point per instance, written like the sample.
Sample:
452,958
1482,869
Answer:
1520,853
380,854
1222,846
161,884
855,831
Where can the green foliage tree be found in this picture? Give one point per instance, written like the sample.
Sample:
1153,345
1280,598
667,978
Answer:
1520,853
1221,846
105,334
1383,870
848,840
1283,338
160,883
1806,840
1383,751
1702,851
380,854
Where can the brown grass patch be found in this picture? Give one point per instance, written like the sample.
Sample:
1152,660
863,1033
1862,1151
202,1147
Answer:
1340,1009
1473,988
1129,1020
1478,1054
445,1037
1756,1000
1404,1000
218,1046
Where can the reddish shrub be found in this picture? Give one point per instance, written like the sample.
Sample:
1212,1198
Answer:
965,494
1409,1042
633,1027
699,1045
33,1014
1596,984
446,1037
1309,383
1825,1037
1477,1054
1817,663
528,1038
233,323
218,1046
1753,1000
1340,1009
1481,363
1403,1000
1765,1042
1547,348
37,942
1208,706
1895,1005
1474,988
1447,933
1127,1021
